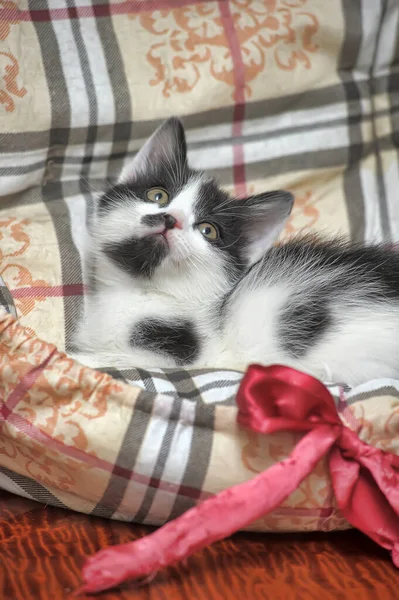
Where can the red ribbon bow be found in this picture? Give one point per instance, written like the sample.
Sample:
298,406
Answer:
365,480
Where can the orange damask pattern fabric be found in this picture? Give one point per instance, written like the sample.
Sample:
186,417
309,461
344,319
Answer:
9,64
274,33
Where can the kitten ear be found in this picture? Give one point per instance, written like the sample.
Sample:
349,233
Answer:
265,218
166,146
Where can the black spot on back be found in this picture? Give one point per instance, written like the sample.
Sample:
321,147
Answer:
373,269
178,339
302,325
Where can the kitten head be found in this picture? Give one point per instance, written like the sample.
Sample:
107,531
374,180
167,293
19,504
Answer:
163,216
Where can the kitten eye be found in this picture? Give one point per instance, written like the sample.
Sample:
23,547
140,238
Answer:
208,230
158,195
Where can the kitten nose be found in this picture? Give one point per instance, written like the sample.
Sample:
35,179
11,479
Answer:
170,221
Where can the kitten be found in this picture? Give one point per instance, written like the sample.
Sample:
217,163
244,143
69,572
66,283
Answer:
188,276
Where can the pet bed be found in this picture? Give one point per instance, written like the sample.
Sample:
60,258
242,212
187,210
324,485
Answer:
293,93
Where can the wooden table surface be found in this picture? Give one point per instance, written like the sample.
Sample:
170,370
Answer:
42,550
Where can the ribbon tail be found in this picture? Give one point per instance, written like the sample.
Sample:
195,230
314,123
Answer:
367,493
212,520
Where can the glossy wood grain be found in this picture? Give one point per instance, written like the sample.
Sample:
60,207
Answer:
42,550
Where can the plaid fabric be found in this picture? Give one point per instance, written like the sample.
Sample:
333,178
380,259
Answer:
298,94
77,438
210,386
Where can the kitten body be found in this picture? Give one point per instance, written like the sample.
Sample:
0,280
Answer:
196,280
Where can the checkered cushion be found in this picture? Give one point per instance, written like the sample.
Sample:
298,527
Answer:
297,94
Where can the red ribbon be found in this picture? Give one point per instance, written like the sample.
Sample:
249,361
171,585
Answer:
364,478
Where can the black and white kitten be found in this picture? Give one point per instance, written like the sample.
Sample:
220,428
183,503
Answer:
187,275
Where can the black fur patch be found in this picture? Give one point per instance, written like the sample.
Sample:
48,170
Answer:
301,325
178,340
138,257
215,205
236,219
373,269
168,221
153,220
380,265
